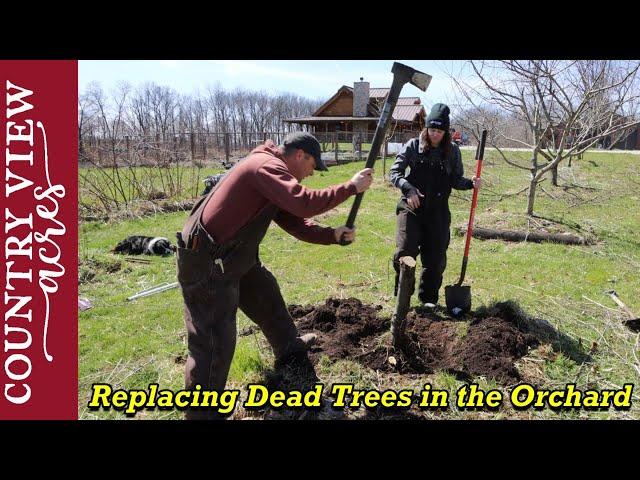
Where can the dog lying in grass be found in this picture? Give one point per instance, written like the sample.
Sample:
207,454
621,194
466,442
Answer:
139,244
211,181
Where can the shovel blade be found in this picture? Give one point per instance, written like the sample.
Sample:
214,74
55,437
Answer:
458,296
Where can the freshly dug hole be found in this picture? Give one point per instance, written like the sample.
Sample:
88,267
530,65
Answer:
349,329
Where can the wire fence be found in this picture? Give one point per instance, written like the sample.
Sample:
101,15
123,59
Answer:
116,174
208,147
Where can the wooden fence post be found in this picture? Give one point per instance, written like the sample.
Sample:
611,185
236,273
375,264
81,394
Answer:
158,147
226,148
175,148
204,147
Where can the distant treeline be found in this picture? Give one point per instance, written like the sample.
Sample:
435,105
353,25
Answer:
159,112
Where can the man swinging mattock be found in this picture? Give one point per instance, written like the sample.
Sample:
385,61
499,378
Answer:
219,268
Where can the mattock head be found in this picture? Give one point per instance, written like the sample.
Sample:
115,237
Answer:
410,75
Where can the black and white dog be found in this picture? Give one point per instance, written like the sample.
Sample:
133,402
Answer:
211,181
138,244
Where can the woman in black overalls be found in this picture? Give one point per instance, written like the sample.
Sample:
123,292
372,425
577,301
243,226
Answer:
423,216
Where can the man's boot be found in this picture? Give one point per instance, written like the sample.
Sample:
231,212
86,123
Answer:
299,345
294,367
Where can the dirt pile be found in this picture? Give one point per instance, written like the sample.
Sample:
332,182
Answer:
90,267
467,348
346,328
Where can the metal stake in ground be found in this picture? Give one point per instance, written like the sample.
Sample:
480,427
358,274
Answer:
457,296
154,290
406,287
401,74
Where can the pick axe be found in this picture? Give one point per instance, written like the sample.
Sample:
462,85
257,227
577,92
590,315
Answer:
401,74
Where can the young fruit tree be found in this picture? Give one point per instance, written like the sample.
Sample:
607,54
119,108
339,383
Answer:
566,106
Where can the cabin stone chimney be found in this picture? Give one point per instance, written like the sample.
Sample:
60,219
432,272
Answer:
360,98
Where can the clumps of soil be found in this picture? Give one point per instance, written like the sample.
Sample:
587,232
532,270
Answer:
492,346
485,345
90,267
298,311
346,328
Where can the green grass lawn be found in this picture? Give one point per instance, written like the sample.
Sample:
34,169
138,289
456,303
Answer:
132,344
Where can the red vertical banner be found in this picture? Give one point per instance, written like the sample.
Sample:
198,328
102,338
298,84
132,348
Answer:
39,336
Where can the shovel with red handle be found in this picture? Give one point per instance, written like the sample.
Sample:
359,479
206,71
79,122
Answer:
457,296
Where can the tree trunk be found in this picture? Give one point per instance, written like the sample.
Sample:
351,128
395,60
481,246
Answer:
532,195
534,181
226,148
554,176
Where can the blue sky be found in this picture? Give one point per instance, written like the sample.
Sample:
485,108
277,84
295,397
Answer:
316,79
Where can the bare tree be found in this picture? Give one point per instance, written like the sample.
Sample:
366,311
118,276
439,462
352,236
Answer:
167,123
261,110
85,117
140,110
568,106
109,118
474,119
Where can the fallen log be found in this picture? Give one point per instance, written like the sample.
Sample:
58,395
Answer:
515,236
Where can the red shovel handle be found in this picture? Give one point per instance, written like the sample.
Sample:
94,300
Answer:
474,202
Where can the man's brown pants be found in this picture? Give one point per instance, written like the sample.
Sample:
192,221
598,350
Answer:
211,302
